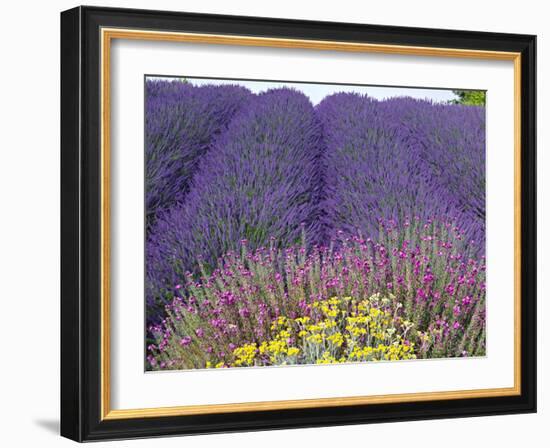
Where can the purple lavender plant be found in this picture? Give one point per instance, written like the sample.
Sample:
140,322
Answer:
373,172
450,143
261,180
181,121
388,160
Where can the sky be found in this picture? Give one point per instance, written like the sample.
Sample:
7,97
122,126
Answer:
316,92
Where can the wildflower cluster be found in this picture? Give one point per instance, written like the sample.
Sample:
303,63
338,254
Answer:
336,330
410,294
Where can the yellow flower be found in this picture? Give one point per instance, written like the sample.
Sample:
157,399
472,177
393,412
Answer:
315,338
337,339
293,351
263,348
283,334
327,324
327,358
374,312
302,320
245,355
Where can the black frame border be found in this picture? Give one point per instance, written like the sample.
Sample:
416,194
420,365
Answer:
81,223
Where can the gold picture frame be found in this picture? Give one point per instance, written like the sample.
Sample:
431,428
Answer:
107,30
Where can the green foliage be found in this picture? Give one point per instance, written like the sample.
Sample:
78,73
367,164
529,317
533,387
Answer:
469,97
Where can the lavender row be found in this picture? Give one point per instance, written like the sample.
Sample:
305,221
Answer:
181,121
400,159
260,181
450,143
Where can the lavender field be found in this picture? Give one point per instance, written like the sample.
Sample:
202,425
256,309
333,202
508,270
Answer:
281,232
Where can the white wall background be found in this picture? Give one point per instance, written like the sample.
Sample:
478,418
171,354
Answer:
29,228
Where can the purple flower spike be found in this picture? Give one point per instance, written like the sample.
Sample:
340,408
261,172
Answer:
185,341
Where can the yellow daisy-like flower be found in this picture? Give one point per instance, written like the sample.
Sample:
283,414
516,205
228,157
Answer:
293,351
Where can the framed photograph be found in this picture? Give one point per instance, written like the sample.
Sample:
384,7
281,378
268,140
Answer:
273,223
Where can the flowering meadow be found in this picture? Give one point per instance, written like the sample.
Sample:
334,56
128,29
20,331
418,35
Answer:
279,232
